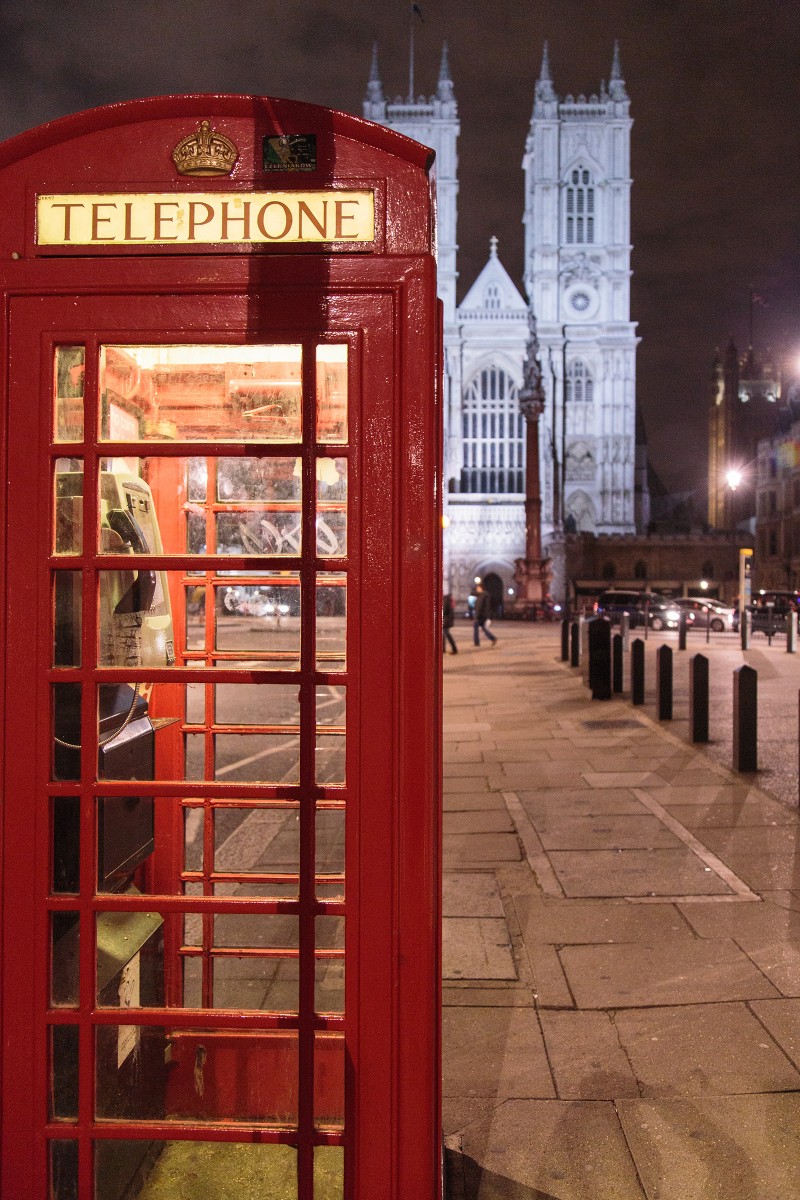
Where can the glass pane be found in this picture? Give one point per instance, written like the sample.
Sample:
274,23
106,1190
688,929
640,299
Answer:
332,507
63,1170
69,370
243,930
130,965
68,506
329,985
330,842
257,704
201,393
125,839
332,394
329,1080
249,1169
67,593
257,757
125,715
195,703
63,1104
331,621
257,983
330,746
259,840
134,620
66,717
65,844
328,1173
65,944
211,1076
260,619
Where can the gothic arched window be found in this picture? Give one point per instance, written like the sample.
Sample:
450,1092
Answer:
580,397
492,298
493,435
579,207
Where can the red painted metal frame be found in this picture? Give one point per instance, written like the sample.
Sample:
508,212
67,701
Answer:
387,300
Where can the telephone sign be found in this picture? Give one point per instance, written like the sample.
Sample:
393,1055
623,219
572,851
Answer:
220,709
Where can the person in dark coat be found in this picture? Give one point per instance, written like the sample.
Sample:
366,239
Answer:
483,611
448,620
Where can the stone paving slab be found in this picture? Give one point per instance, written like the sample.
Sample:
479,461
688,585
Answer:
583,800
720,1148
680,972
734,814
635,873
765,922
471,894
781,1018
686,1051
494,820
476,948
548,1150
576,922
494,1052
465,848
578,831
586,1057
466,801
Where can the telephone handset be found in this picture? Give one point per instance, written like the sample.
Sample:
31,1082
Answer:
139,596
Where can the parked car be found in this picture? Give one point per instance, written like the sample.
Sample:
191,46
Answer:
765,618
703,613
660,612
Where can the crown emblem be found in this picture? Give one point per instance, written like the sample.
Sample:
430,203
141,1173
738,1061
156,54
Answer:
206,152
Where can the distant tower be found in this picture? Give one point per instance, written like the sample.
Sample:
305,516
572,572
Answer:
577,275
434,122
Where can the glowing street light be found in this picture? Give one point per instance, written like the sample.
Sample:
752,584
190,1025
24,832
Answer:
733,478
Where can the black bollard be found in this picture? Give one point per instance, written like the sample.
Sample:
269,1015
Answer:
600,658
664,682
745,719
682,626
616,662
745,628
698,698
637,671
565,640
574,644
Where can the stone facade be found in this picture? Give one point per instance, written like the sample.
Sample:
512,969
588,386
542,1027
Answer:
577,281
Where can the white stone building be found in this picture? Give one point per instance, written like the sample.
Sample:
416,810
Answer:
576,207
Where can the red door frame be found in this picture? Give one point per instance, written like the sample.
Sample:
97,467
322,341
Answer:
393,912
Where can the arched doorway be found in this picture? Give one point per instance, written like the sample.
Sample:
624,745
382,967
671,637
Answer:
494,586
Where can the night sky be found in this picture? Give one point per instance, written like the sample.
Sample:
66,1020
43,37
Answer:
715,96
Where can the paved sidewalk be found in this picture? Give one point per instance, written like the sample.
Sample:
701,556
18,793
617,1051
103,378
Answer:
622,948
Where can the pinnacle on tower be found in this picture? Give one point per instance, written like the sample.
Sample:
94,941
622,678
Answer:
493,247
444,88
544,84
374,85
616,84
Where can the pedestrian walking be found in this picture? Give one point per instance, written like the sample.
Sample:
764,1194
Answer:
483,612
448,620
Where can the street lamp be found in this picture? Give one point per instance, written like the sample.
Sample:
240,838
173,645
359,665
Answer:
733,477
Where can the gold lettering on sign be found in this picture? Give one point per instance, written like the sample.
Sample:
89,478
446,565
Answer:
205,218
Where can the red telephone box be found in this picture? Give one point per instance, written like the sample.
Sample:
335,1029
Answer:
221,846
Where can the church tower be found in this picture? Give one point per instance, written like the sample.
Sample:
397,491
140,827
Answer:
433,120
577,276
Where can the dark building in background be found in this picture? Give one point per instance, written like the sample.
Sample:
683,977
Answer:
745,407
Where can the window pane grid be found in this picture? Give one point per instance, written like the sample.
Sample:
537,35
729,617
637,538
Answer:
490,405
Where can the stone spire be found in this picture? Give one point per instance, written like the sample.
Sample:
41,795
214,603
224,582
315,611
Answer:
616,84
544,84
444,88
531,394
374,85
